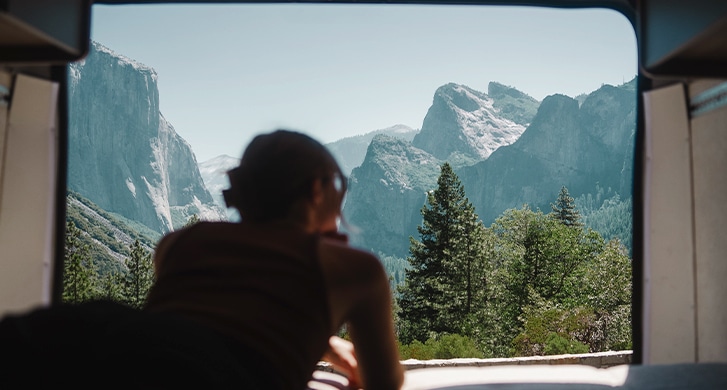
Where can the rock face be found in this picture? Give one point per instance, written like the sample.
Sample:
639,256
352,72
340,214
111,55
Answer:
351,151
123,155
580,147
214,175
462,120
386,194
564,146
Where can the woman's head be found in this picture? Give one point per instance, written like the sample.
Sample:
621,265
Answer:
277,173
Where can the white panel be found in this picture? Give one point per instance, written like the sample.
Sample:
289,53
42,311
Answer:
709,155
27,204
669,313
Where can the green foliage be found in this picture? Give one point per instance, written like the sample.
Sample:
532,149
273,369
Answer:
450,346
530,284
444,346
545,277
415,350
446,264
78,270
607,288
551,329
100,232
564,209
107,236
111,286
396,269
99,263
610,216
140,277
558,345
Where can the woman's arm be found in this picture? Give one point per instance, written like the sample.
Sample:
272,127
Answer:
371,327
342,356
359,295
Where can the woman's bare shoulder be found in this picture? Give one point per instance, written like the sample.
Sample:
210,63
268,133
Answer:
342,257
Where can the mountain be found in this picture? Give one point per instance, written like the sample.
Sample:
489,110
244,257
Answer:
586,147
350,151
123,154
214,175
512,104
386,193
107,236
464,121
566,145
508,149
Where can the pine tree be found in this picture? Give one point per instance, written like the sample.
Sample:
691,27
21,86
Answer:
111,286
140,277
78,269
445,264
565,209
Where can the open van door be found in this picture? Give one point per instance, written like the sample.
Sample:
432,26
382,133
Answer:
37,40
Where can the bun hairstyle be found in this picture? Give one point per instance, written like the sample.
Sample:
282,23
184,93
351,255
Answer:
276,171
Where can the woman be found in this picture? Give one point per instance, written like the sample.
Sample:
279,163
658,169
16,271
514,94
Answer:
280,283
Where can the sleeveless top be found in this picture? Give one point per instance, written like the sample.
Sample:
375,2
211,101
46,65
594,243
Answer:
261,287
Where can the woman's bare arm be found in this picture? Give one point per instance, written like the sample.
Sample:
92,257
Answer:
359,296
371,327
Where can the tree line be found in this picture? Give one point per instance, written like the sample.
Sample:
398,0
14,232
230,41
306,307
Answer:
84,280
529,284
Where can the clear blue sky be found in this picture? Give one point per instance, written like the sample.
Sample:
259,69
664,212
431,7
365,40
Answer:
228,72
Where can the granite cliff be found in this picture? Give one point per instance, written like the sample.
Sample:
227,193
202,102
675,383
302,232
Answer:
123,154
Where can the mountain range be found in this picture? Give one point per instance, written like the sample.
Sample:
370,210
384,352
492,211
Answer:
583,147
508,149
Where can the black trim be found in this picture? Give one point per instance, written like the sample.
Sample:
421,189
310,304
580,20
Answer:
637,224
60,75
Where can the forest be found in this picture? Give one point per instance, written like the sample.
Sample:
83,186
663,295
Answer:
531,283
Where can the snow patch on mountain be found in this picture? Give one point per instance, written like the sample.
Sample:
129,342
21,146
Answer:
483,129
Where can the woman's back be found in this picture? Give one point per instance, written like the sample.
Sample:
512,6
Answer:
261,287
277,282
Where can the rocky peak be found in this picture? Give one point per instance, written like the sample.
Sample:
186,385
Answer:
513,104
350,151
386,193
463,120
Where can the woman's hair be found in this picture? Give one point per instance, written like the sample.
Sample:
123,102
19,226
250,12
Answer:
276,170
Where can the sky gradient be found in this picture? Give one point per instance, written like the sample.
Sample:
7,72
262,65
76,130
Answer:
228,72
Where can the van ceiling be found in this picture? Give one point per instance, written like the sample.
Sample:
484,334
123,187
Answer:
676,38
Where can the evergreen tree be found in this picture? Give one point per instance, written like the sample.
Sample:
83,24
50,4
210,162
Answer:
445,265
565,209
111,286
140,277
78,269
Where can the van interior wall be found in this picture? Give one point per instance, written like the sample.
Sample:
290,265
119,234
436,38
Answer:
685,192
27,191
708,135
